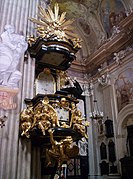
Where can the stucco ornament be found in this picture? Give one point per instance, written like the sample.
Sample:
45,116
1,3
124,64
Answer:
104,80
12,47
83,147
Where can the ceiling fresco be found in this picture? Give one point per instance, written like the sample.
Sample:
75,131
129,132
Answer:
93,20
87,22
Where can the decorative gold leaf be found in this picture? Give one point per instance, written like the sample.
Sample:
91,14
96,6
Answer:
68,28
51,13
69,22
43,19
38,22
56,11
62,18
48,18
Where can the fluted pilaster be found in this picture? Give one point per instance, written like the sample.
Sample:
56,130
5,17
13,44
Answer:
15,153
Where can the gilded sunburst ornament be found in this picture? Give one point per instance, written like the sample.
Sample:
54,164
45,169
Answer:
52,25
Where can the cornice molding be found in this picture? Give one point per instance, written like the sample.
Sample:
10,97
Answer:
107,50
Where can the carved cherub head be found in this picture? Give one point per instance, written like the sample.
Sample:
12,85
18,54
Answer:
45,100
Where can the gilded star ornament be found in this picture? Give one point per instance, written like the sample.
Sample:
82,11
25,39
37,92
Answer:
51,25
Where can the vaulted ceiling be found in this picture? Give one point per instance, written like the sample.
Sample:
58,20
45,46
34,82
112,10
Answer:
94,21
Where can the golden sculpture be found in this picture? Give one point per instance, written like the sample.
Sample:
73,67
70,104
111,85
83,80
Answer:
48,109
42,120
78,124
31,39
25,127
64,103
61,151
43,116
26,120
51,24
62,75
73,113
64,125
77,120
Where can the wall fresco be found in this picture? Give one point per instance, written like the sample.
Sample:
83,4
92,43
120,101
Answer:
124,88
112,12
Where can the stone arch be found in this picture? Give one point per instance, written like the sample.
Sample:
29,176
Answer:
123,120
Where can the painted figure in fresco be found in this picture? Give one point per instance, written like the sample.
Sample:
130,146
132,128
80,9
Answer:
12,47
112,12
124,86
85,26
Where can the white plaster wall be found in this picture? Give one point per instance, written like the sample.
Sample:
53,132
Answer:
107,102
109,106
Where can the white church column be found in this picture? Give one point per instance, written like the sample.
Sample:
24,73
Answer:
15,153
92,144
